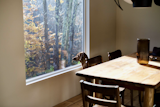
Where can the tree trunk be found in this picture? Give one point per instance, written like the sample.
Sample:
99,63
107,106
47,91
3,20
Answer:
56,47
64,37
66,25
71,33
46,36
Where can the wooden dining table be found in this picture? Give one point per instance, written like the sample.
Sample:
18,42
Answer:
125,71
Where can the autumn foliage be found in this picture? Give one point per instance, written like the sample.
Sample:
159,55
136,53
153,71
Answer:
53,34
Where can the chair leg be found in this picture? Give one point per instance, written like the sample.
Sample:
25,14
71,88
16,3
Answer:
131,95
122,95
140,97
111,97
90,105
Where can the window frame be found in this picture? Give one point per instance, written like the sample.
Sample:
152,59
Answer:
86,47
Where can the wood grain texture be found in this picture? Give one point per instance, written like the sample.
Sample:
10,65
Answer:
149,97
103,89
125,70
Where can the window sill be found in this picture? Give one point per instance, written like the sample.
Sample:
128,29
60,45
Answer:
52,74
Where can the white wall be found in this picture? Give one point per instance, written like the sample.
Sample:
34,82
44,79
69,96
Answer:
47,93
137,23
103,27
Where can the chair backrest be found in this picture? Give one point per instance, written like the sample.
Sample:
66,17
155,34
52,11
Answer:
108,90
94,61
156,51
115,54
83,58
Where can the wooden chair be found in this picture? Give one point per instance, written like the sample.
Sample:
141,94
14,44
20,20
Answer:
156,99
116,54
91,62
95,60
109,90
85,61
111,56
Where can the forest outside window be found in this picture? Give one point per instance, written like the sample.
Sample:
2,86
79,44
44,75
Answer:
53,35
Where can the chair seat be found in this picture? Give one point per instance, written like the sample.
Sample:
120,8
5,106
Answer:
96,105
121,89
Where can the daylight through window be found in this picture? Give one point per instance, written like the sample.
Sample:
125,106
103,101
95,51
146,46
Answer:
53,34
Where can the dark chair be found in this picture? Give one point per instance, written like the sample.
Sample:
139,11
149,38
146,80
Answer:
156,51
111,56
95,60
86,62
156,99
116,54
91,62
156,54
109,90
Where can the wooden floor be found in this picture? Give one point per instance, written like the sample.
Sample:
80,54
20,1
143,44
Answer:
77,100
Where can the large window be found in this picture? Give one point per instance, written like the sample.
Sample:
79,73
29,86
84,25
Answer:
53,34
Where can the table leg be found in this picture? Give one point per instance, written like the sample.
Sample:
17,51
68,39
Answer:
149,97
98,95
131,95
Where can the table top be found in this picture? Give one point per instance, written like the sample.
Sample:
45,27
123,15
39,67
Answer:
126,70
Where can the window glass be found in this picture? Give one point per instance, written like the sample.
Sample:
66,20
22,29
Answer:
53,34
